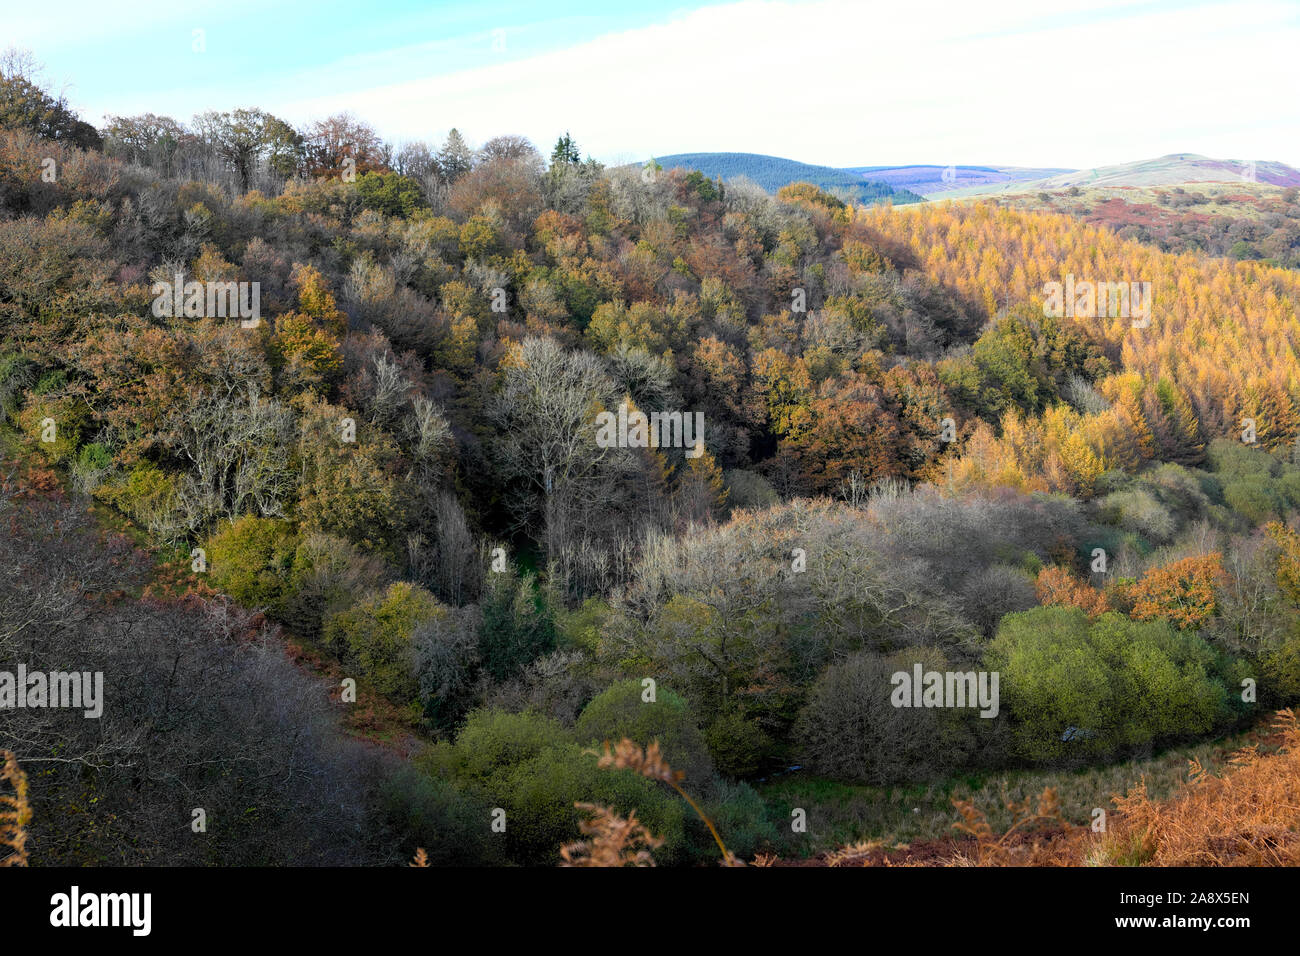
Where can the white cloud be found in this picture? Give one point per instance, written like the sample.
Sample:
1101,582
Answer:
843,83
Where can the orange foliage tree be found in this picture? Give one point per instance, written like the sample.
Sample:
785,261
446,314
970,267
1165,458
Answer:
1183,592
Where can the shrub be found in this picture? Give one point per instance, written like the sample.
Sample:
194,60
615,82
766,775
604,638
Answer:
1182,485
1255,498
1136,509
1057,585
738,745
748,489
850,730
329,575
70,419
1081,688
621,712
378,634
429,812
1183,592
1281,673
446,650
16,375
992,592
147,496
251,560
389,193
740,816
581,627
531,767
1234,460
93,464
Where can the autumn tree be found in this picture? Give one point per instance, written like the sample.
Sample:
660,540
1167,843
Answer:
340,144
1182,592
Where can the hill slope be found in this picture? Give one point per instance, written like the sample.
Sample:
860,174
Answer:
773,172
1171,170
1178,168
928,180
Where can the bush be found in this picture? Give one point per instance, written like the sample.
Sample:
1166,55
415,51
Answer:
1281,674
850,730
389,193
738,745
1136,509
329,575
251,560
94,462
1081,688
580,628
378,634
1189,490
148,496
996,591
1232,459
70,419
16,375
531,767
429,812
747,489
1254,497
1184,592
620,712
740,816
446,650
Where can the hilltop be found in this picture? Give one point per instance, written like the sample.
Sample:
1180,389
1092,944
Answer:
928,180
1171,170
773,172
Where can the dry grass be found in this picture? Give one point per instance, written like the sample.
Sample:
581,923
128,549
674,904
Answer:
628,755
15,811
1248,816
613,840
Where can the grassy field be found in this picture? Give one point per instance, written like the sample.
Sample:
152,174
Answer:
841,814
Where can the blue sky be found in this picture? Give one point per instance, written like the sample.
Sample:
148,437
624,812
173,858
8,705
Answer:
842,82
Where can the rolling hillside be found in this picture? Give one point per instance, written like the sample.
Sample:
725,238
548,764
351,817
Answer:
1171,170
1179,168
773,172
928,180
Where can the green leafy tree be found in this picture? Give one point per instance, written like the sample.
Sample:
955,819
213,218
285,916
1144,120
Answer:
251,559
378,635
26,104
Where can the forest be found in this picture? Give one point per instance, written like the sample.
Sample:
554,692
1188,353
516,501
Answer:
359,574
1238,221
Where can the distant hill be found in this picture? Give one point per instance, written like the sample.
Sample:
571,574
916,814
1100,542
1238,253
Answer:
773,172
928,180
1172,170
1179,168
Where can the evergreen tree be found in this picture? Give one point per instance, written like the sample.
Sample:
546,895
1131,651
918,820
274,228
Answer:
566,152
455,158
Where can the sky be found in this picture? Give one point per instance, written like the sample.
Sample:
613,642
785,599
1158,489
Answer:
1069,83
